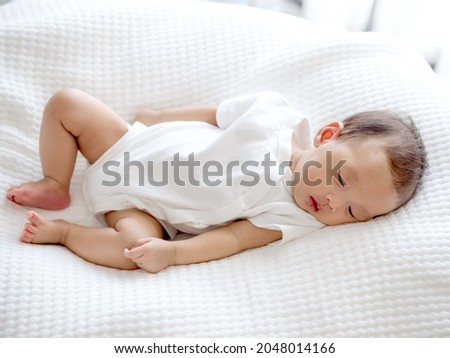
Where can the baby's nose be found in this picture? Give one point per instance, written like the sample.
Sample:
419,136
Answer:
332,203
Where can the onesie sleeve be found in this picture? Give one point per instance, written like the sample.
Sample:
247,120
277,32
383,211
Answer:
232,109
292,226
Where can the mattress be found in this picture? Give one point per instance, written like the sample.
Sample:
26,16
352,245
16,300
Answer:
389,277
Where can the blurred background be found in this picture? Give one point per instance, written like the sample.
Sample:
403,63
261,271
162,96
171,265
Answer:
423,24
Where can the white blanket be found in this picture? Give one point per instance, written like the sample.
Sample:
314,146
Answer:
389,277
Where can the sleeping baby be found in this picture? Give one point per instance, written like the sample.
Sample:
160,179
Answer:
237,176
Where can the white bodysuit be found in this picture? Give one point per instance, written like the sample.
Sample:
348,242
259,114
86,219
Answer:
192,176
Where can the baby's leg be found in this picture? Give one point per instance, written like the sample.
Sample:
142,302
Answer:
102,246
72,121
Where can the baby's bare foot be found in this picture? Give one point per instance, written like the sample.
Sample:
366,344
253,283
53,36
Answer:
41,231
46,193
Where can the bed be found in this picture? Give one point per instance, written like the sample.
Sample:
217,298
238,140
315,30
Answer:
389,277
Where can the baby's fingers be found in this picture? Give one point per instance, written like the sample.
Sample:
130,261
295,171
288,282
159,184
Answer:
141,242
134,253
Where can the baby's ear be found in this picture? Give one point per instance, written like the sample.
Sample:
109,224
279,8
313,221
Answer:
330,131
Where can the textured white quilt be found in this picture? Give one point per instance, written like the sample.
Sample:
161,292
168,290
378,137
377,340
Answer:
386,278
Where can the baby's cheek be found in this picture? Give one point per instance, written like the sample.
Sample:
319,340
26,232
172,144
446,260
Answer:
311,176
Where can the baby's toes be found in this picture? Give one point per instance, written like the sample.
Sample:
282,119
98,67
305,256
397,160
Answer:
29,233
11,193
30,228
35,219
27,236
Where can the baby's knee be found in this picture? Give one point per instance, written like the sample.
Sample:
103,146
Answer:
62,100
134,224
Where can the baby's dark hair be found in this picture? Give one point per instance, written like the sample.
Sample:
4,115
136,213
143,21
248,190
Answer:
401,141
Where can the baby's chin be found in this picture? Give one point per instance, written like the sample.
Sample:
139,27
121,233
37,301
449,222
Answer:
328,221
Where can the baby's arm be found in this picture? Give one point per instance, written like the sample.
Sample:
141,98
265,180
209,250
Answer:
199,113
155,255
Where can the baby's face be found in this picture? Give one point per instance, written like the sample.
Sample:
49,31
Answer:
345,181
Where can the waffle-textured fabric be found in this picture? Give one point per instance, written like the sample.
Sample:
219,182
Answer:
389,277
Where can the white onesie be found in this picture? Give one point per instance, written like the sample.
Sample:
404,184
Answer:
192,176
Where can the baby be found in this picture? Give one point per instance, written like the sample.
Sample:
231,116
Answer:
237,176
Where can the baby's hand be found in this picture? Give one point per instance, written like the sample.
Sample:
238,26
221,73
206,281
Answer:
148,117
152,254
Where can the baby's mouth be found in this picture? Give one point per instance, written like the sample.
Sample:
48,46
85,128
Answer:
313,204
